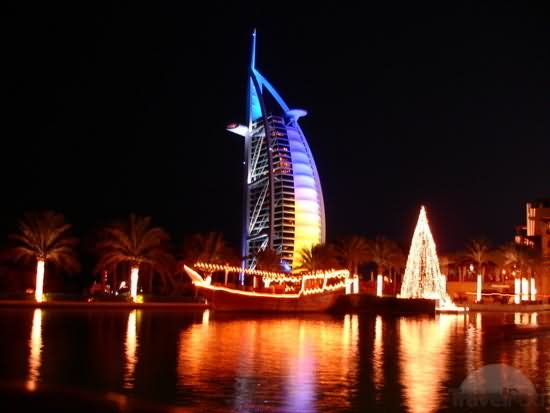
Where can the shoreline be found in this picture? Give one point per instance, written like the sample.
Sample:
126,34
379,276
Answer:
508,308
102,305
374,306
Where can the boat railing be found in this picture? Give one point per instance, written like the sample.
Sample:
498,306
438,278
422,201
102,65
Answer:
269,281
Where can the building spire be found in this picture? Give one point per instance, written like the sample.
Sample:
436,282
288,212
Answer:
253,53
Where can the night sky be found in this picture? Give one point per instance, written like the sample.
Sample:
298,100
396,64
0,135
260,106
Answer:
111,108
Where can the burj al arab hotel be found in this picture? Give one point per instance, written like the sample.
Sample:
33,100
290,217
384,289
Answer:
283,201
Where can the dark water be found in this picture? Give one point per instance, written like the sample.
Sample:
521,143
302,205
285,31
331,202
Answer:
214,362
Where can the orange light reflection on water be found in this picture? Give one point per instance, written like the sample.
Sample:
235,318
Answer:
313,356
378,357
474,343
130,349
424,359
35,350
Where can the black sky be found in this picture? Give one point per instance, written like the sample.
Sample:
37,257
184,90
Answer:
119,107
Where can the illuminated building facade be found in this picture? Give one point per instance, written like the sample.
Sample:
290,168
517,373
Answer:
283,200
536,232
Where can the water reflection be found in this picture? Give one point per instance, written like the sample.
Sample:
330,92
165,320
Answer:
526,318
474,343
527,354
378,358
350,339
131,346
206,317
424,358
300,386
319,363
271,362
35,350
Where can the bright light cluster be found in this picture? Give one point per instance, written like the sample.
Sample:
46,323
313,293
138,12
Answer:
218,267
422,278
422,273
524,290
134,275
39,290
324,288
479,286
379,285
270,275
309,217
338,280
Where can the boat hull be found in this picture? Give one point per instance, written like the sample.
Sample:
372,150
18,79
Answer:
223,300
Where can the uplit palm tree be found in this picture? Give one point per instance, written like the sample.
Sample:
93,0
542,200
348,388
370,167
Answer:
210,247
523,261
353,252
386,254
517,257
44,237
268,260
135,243
479,252
316,258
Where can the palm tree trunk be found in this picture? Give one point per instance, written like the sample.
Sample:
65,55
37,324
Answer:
134,277
39,284
479,286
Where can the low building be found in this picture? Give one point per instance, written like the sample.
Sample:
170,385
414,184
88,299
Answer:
536,234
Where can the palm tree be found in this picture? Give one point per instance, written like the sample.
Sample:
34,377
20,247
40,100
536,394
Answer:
268,260
353,251
386,254
210,247
478,251
522,260
517,257
316,258
134,242
44,237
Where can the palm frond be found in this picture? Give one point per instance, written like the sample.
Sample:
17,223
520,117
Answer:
134,241
45,235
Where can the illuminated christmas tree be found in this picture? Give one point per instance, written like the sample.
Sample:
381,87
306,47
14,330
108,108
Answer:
422,277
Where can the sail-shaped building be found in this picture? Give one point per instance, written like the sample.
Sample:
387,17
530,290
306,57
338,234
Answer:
283,201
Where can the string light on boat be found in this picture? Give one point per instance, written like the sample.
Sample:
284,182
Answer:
208,267
332,280
273,276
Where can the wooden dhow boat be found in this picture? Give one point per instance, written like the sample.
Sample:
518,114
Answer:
229,288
